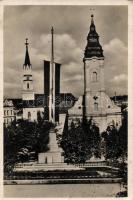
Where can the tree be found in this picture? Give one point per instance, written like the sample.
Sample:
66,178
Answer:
116,140
22,138
81,141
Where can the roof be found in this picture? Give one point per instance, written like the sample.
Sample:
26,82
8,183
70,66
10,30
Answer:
27,58
64,100
17,103
8,103
120,98
93,47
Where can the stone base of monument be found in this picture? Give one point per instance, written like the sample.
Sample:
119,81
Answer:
54,154
50,158
36,167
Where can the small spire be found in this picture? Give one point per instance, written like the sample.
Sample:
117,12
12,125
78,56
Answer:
92,20
27,58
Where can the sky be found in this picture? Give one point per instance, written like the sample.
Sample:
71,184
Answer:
71,26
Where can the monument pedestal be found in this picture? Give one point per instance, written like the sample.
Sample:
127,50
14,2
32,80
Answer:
54,155
50,157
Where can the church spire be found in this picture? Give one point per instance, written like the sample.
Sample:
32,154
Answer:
27,58
93,47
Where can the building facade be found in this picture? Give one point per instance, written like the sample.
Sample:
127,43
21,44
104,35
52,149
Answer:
9,112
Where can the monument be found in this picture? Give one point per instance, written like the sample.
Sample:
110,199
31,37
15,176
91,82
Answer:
52,89
54,154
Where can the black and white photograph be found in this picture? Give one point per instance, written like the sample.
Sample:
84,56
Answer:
65,101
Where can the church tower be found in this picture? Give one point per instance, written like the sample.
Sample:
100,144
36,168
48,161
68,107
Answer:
98,104
27,91
95,103
94,72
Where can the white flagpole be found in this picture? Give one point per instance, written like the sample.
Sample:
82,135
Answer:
53,78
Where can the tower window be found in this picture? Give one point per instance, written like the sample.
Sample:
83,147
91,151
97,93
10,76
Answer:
94,76
27,85
46,160
96,106
29,116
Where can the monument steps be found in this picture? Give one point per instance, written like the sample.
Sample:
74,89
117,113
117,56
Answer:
46,167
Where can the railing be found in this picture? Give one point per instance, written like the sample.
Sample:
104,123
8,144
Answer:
102,163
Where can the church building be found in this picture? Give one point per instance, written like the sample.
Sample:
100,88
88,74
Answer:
95,104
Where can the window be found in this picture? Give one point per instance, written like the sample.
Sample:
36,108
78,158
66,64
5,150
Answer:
27,85
4,112
29,116
96,106
46,160
7,112
94,76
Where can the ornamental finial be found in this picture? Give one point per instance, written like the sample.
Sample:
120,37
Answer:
26,43
92,20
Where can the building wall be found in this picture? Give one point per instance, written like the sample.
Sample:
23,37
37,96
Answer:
106,113
31,113
94,72
28,95
9,115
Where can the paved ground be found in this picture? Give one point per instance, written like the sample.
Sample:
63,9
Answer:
62,190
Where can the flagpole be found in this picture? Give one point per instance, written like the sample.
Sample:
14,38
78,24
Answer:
52,74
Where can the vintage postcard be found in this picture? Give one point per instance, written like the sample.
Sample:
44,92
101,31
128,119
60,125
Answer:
65,99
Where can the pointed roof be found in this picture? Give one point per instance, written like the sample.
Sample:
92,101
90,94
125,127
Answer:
27,58
93,47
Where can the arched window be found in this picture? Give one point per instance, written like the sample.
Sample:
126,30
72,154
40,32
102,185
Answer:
27,85
29,116
96,106
94,76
